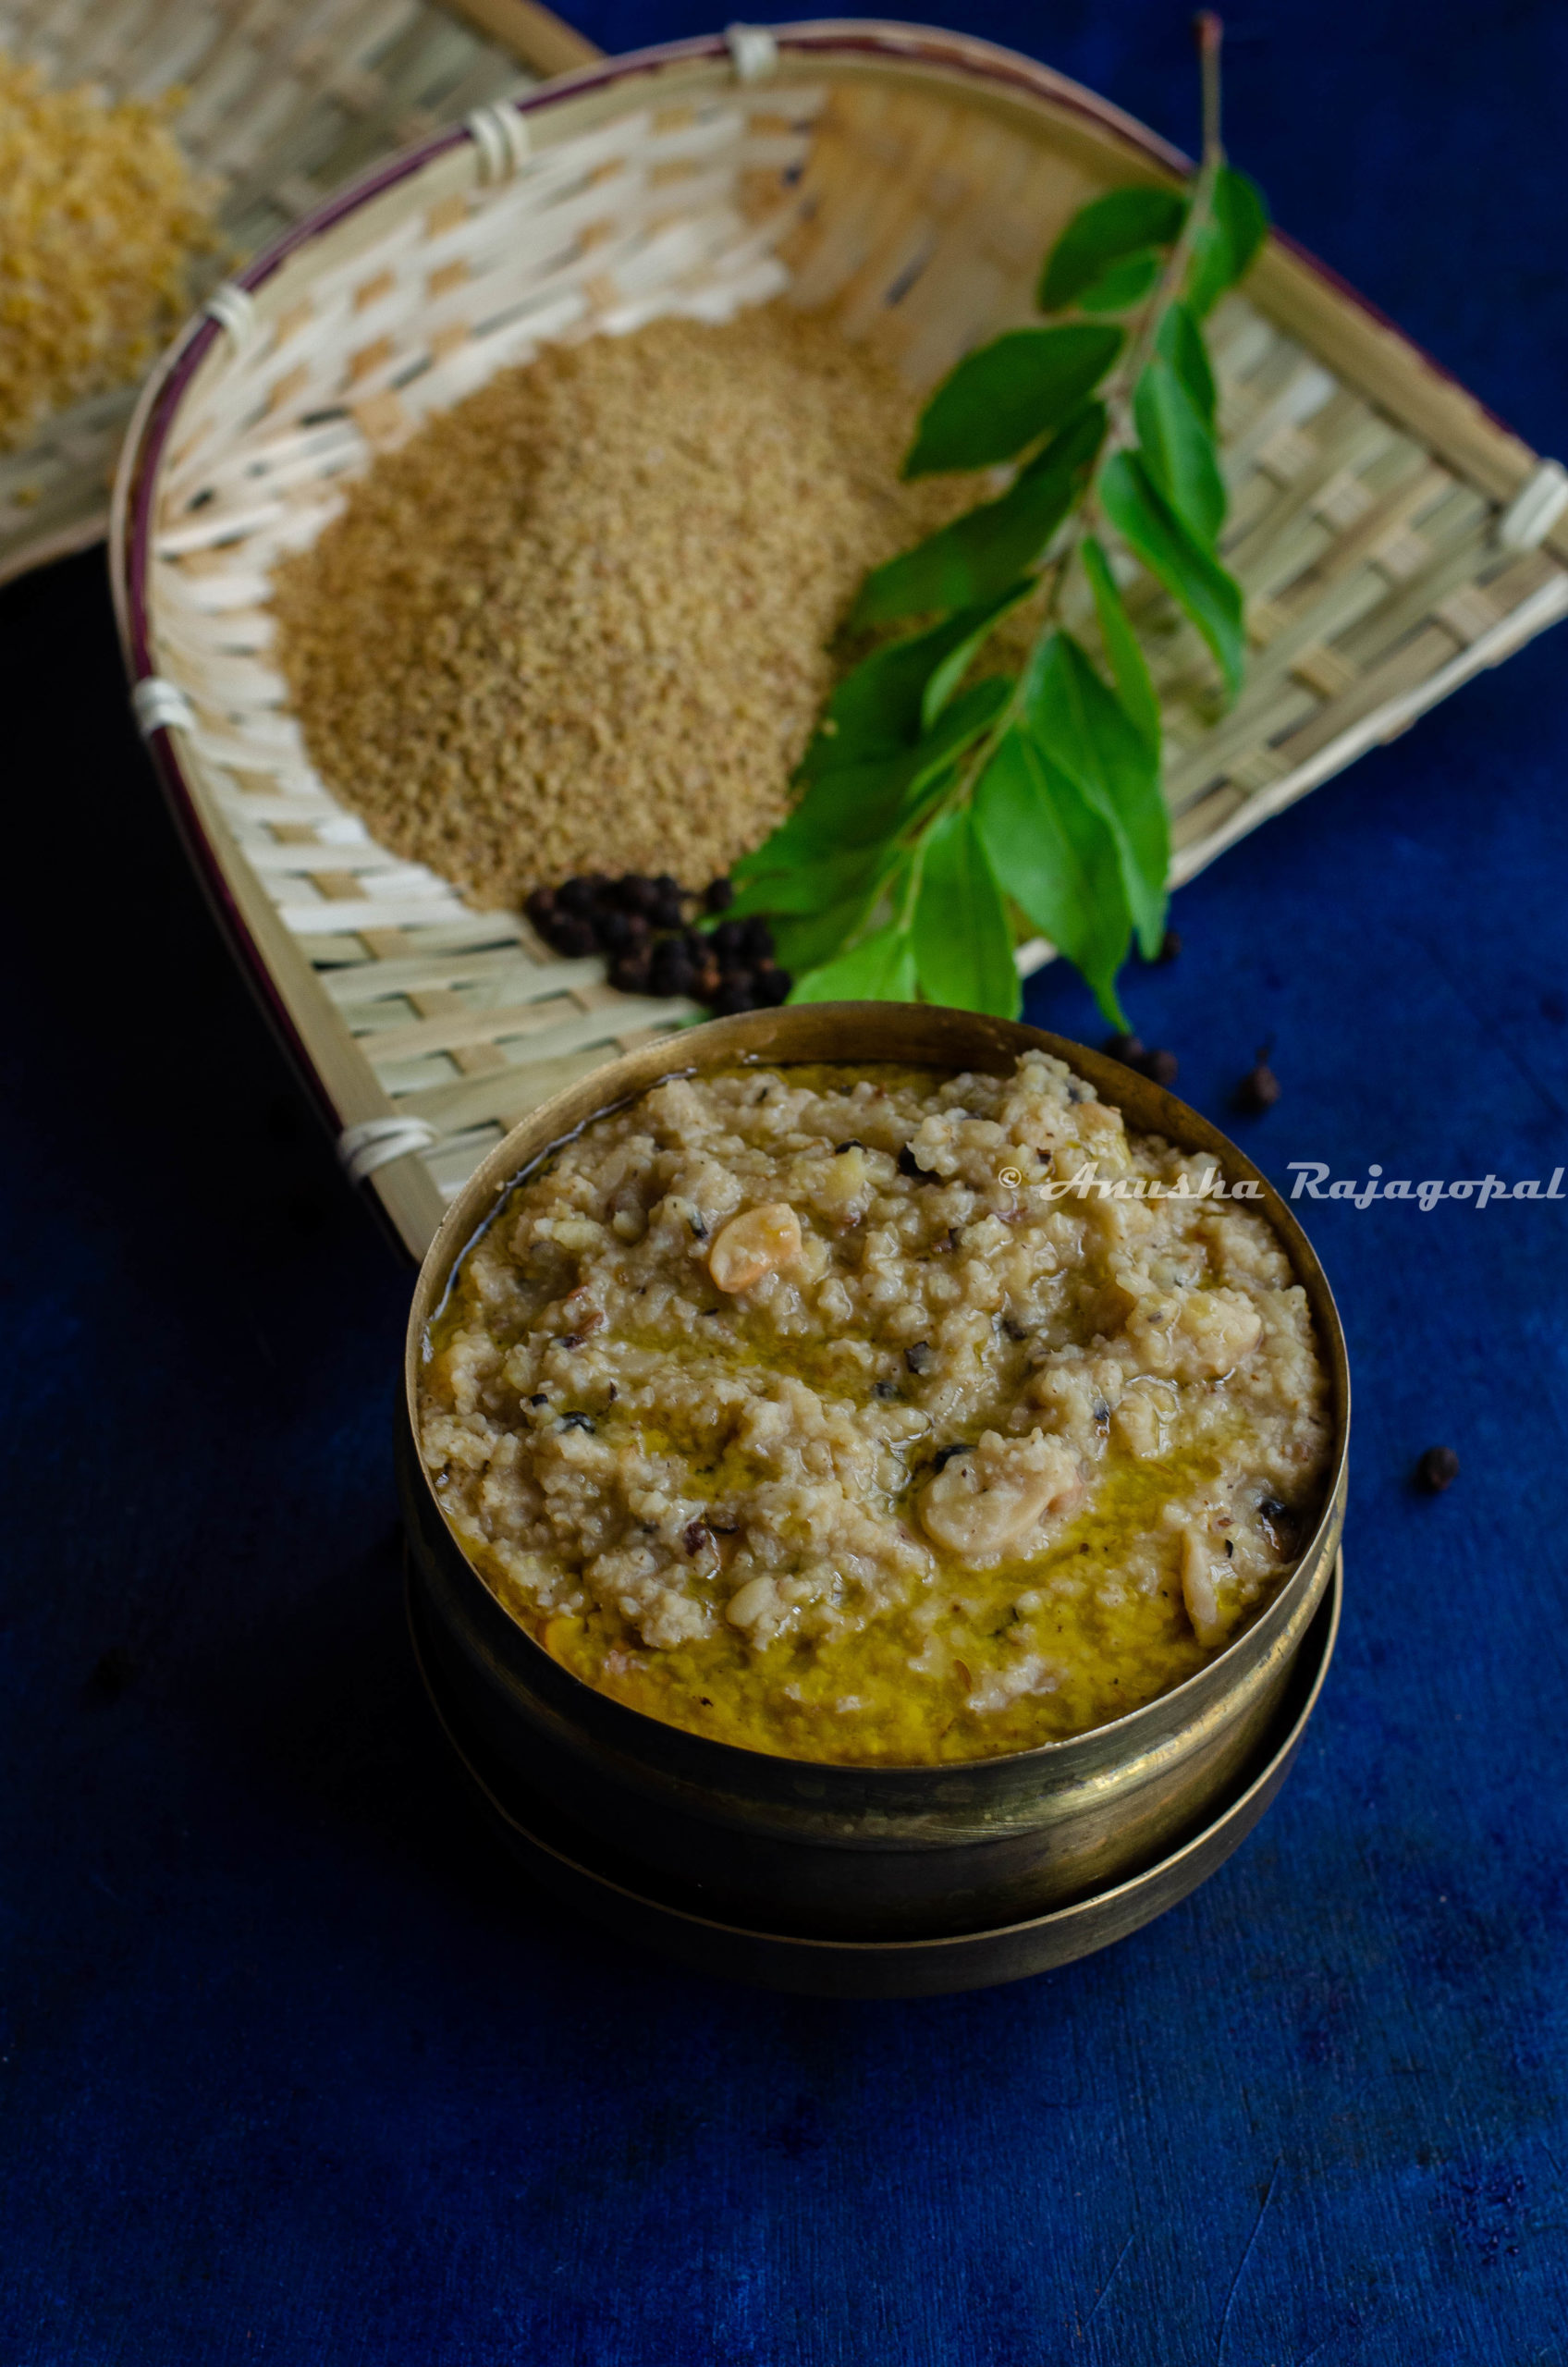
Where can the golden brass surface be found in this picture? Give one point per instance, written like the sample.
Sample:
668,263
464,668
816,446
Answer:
812,1849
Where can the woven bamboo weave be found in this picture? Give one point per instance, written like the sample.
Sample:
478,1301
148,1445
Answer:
285,102
1391,538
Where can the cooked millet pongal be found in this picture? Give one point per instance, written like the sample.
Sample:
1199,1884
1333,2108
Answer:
842,1414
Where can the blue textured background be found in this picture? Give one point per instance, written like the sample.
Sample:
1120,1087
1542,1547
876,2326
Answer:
290,2070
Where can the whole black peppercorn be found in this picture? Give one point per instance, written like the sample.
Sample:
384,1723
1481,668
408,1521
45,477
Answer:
771,985
665,912
733,998
1130,1050
720,895
629,975
727,938
573,938
577,897
540,907
637,894
756,939
1437,1469
615,931
1161,1067
1260,1089
669,973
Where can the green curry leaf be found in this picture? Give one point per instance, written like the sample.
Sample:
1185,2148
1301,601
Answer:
1082,728
879,710
1060,861
1129,668
1181,345
1225,246
962,943
1178,450
1008,393
980,556
1102,236
860,808
879,969
1125,284
1177,558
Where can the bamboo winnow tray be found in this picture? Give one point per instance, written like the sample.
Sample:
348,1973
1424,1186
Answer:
1392,536
283,102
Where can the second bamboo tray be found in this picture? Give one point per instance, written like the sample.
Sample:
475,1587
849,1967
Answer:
279,104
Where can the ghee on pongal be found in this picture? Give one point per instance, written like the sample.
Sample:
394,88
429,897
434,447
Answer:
874,1414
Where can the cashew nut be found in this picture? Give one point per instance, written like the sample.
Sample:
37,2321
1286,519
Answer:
751,1603
1141,1422
984,1502
755,1243
1199,1594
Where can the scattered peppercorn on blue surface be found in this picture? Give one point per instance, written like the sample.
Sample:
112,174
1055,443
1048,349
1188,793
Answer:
292,2068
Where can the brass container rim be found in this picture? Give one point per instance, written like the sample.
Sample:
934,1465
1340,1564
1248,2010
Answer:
918,1034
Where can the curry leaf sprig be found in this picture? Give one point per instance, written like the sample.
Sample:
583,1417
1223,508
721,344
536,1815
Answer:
935,808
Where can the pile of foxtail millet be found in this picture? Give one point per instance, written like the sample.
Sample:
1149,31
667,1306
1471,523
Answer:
583,617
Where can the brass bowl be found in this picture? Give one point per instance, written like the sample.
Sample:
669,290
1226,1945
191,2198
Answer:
806,1847
593,1877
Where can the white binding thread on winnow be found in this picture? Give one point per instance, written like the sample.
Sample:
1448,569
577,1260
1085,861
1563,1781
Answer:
1534,509
159,705
377,1142
753,51
233,310
500,136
